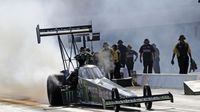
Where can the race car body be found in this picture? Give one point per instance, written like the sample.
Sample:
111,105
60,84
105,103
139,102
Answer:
87,85
94,87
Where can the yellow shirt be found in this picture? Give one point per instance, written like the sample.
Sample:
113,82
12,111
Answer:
116,54
182,49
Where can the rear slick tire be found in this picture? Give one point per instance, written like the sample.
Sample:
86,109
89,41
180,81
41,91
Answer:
54,90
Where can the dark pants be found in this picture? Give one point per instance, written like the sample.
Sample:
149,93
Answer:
122,62
117,70
148,65
130,66
183,63
81,63
111,74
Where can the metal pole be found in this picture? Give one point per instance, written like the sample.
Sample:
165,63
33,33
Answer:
61,51
84,42
73,43
91,46
74,46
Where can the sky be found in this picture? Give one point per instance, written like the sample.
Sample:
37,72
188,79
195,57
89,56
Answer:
26,64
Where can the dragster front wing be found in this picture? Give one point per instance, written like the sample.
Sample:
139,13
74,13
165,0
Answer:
141,99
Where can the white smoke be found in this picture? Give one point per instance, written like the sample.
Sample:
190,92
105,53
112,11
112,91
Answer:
105,61
25,65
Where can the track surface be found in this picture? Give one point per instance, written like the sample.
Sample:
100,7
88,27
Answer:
182,103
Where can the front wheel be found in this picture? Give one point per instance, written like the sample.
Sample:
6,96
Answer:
147,92
115,95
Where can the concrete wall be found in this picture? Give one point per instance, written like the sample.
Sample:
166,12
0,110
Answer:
166,80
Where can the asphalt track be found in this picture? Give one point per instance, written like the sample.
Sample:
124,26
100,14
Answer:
182,103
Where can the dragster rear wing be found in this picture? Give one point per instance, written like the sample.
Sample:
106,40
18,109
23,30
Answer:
141,99
62,31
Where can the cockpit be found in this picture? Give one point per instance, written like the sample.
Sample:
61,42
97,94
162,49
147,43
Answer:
90,72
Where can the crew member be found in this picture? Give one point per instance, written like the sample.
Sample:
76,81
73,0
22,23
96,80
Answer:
96,58
122,48
89,56
156,62
116,57
182,50
147,52
106,60
130,59
83,57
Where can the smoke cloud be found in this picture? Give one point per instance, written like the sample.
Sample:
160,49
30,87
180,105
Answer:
25,65
133,21
105,61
